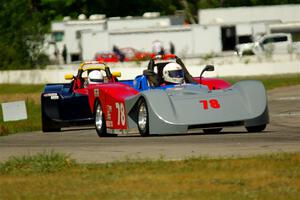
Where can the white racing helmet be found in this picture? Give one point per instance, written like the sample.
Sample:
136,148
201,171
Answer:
173,73
95,77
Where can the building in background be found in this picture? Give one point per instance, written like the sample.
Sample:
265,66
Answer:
245,24
68,33
218,30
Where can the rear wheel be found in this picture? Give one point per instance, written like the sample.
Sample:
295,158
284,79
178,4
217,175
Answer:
212,130
143,118
100,124
260,128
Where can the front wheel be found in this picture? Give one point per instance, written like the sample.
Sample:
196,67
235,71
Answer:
100,124
143,118
260,128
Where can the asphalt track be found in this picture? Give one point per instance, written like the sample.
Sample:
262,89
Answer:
282,135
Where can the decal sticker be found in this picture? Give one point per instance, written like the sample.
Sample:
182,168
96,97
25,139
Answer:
53,96
211,103
108,114
96,92
109,124
121,113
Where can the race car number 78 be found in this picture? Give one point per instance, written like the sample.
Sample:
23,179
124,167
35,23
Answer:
211,103
121,113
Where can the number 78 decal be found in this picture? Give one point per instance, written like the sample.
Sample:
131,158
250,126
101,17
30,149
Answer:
121,113
210,103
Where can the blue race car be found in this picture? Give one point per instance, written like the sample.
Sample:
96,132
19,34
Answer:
66,104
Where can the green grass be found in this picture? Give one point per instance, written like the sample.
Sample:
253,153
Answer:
22,89
47,162
275,176
270,82
31,94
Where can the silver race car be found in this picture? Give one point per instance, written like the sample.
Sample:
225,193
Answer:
167,99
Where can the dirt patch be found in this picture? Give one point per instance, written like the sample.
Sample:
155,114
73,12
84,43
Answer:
35,97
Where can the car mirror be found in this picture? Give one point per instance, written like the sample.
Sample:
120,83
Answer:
116,74
69,77
207,68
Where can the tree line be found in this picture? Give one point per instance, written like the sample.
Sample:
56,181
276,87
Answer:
23,23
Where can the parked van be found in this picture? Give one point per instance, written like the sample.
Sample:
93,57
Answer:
273,43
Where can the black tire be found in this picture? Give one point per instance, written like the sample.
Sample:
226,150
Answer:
100,123
212,130
260,128
143,118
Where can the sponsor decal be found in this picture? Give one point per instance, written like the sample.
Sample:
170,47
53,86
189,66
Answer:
109,124
108,114
53,96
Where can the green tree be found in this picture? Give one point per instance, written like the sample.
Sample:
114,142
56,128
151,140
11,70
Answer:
22,29
23,23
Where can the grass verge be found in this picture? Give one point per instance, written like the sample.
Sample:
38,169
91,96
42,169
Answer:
275,176
47,162
31,94
7,89
270,82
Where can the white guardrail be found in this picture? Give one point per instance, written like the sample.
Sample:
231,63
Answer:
55,74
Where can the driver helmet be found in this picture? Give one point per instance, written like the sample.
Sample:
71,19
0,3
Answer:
173,73
95,77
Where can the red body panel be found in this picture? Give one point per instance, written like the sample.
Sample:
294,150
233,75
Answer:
112,98
214,83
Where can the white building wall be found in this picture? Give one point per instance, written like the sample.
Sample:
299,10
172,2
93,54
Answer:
181,38
57,26
93,42
206,39
283,13
137,23
243,29
71,30
192,40
259,29
253,29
